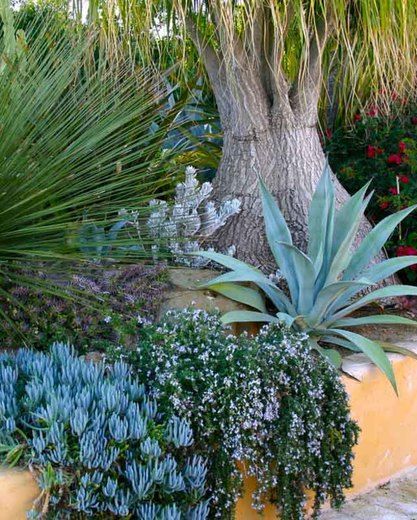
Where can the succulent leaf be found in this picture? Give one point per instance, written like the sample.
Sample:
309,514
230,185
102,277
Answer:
323,284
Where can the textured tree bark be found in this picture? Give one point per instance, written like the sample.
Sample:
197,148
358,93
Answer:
290,160
270,129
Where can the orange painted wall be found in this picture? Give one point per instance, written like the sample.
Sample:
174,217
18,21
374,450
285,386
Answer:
388,440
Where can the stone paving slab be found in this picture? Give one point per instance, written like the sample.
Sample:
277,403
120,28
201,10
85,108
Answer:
396,500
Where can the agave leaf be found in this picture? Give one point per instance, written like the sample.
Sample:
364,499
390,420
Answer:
378,272
391,347
242,294
286,318
329,294
328,240
227,261
318,221
331,355
304,274
372,244
343,254
372,350
248,316
345,217
383,319
384,292
277,231
241,275
386,268
278,298
340,342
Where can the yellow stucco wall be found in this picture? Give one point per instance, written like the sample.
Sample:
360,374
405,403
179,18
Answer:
17,492
388,440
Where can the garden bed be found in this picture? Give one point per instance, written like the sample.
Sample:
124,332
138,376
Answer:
386,446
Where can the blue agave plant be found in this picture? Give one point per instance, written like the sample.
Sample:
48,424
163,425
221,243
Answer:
95,432
324,284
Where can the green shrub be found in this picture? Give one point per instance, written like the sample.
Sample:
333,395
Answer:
265,401
384,150
81,137
324,284
96,440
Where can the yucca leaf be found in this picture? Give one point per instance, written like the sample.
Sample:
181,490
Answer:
304,275
372,350
372,244
240,293
379,319
385,292
248,316
277,231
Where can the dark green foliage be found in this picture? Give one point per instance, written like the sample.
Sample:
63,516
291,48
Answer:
384,150
267,401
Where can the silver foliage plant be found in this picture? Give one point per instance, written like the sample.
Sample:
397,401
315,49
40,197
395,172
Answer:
97,440
182,226
324,284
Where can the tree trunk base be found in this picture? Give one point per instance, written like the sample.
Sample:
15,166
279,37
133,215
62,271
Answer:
291,162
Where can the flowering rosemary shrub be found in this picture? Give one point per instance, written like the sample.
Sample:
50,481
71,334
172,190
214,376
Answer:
266,401
96,440
124,299
383,149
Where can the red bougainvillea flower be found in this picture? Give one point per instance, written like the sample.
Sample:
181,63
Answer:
370,151
394,96
404,179
372,112
379,150
394,191
358,117
384,204
394,158
414,120
406,251
402,146
328,133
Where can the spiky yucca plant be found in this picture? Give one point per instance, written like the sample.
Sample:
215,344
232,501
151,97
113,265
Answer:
77,139
323,283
